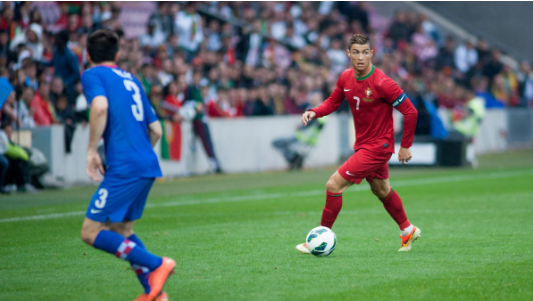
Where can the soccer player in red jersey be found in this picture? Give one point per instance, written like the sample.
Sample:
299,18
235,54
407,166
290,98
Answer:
371,96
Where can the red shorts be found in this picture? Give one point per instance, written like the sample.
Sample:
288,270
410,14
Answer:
365,164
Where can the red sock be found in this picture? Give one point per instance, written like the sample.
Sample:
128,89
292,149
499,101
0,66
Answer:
393,205
332,209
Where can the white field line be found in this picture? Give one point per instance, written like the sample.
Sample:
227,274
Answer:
412,182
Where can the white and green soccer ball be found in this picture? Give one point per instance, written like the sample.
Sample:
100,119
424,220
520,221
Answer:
321,241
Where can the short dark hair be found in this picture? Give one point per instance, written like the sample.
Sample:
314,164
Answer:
359,39
102,46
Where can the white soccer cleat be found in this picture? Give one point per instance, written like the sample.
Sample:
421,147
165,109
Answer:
408,239
303,248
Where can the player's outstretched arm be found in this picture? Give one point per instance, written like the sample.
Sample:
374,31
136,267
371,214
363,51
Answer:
410,115
97,122
155,132
308,116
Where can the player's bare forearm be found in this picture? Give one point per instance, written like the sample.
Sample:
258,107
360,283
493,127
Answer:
97,120
155,131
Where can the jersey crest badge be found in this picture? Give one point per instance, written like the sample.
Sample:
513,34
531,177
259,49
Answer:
368,93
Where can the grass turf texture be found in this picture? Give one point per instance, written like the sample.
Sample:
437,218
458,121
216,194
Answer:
234,237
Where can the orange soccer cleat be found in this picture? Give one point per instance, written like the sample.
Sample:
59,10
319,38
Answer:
157,278
408,239
303,248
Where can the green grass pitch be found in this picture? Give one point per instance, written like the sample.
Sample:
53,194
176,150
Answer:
234,237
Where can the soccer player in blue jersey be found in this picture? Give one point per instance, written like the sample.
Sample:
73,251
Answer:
122,115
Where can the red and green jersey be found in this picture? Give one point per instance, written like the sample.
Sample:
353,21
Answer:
371,99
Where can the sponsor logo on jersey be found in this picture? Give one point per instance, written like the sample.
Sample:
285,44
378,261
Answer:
368,93
346,90
348,173
94,211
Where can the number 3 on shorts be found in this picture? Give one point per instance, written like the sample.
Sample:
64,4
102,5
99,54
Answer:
100,203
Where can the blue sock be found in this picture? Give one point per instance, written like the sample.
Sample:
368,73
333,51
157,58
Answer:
114,243
142,272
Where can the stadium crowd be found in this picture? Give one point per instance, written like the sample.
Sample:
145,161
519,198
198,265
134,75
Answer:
238,59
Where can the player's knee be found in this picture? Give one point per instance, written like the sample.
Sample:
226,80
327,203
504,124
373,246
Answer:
124,231
87,236
381,192
333,186
89,233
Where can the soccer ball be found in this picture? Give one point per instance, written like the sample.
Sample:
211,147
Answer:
321,241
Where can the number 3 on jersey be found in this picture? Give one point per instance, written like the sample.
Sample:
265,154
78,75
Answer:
358,101
137,108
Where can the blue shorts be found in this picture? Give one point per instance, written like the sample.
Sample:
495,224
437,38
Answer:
119,199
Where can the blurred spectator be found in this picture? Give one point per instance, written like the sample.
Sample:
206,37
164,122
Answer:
480,85
466,56
356,11
189,28
165,76
57,89
294,40
171,45
248,49
525,85
148,77
87,25
200,126
65,116
22,111
151,39
162,20
399,30
263,104
483,51
18,171
425,47
446,97
7,22
31,76
278,28
446,54
9,113
430,29
44,111
214,41
31,38
468,123
494,66
171,102
73,23
499,90
338,58
81,107
511,84
5,53
65,64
